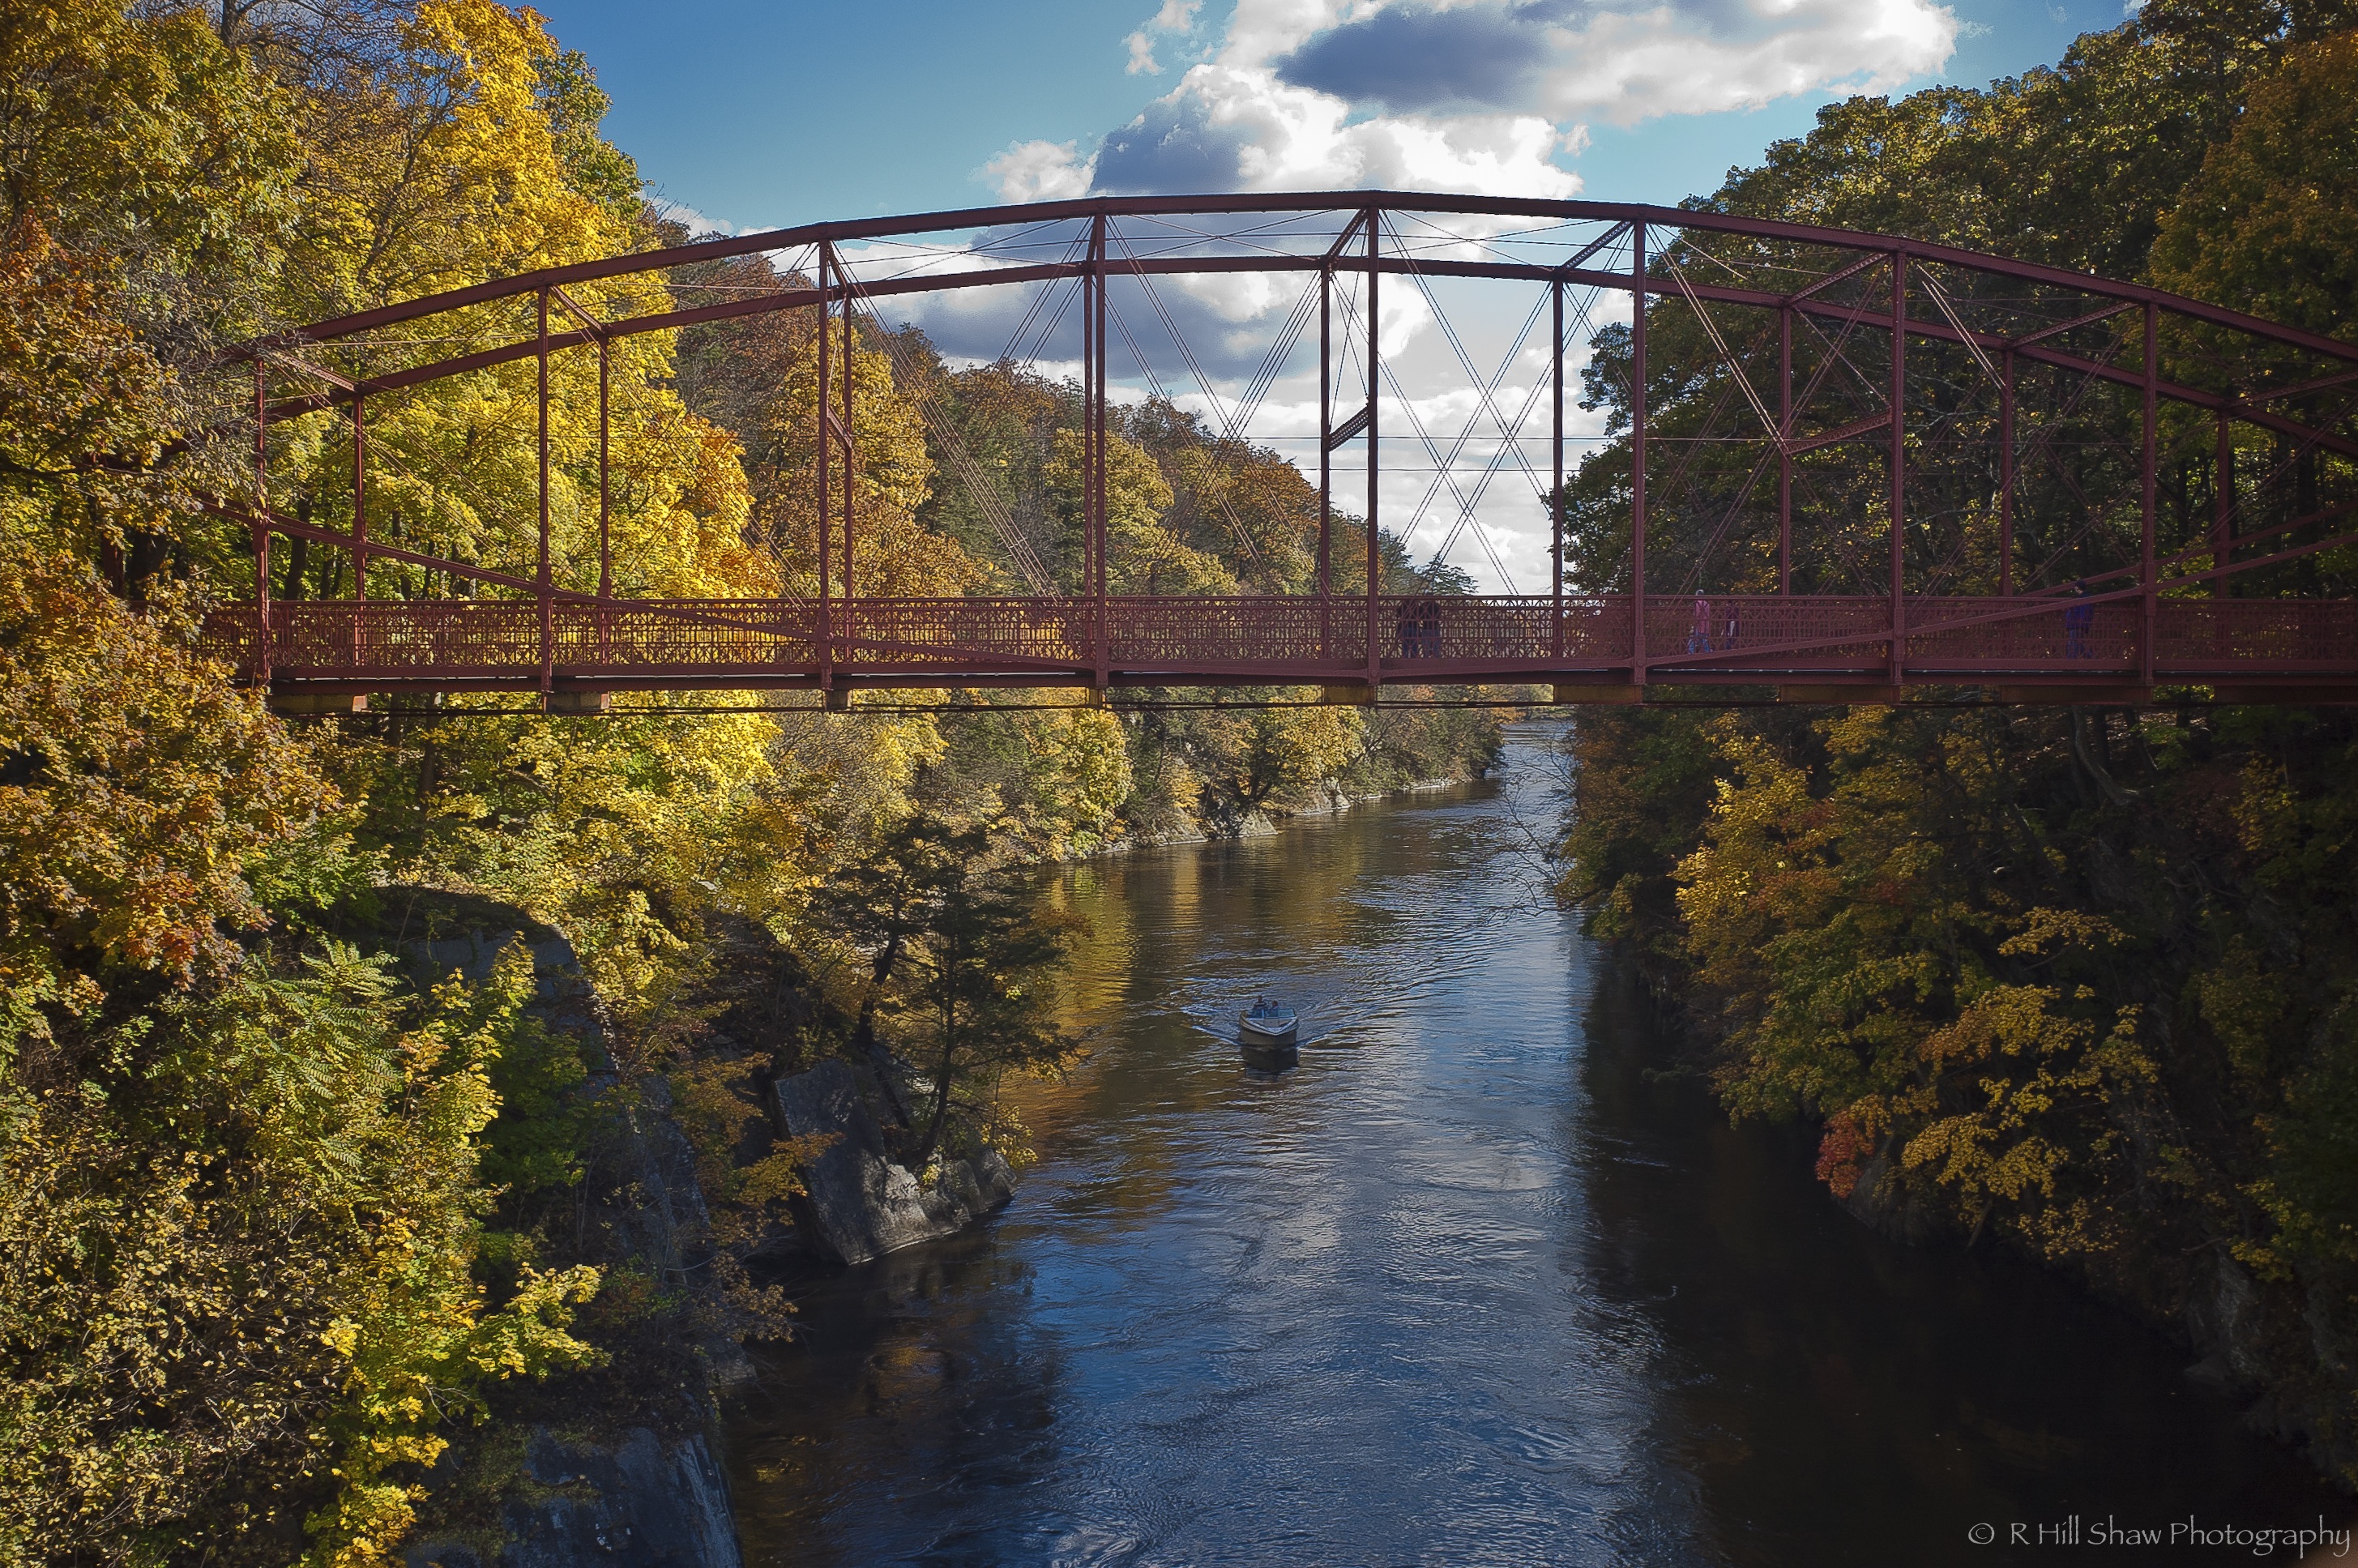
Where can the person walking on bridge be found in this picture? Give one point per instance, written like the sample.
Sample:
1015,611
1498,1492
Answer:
2077,621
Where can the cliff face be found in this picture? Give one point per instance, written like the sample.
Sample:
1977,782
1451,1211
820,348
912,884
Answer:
641,1500
516,1494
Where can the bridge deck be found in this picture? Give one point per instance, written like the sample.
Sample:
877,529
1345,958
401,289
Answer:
2288,647
1912,417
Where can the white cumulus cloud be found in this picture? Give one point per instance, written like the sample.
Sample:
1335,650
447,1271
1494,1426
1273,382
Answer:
1175,16
1626,66
1229,127
1039,171
1473,95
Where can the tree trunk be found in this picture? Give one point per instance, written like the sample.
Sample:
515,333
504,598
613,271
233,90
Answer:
2085,752
942,1076
298,567
863,1032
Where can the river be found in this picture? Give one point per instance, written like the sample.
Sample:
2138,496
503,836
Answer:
1466,1287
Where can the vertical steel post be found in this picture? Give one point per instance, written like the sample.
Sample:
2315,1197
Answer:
605,471
359,520
1637,453
261,668
1784,449
605,530
1094,369
1555,496
360,497
850,472
1325,457
2151,599
2222,508
850,446
2006,476
541,581
1089,584
826,649
1375,647
1899,393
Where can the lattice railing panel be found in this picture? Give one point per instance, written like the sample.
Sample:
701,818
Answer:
1710,628
2062,633
2307,636
939,631
1274,639
1226,633
684,634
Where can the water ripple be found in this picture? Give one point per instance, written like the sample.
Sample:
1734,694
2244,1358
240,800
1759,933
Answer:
1464,1288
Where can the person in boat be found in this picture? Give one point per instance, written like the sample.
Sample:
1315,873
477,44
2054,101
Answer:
1267,1015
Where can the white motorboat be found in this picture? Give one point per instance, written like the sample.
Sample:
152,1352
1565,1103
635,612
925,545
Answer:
1266,1026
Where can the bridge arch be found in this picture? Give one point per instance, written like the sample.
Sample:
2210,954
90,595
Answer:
1855,463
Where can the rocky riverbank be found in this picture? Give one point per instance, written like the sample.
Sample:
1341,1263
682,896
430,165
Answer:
624,1465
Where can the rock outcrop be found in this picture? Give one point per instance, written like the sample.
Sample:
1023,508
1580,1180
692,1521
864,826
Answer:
860,1204
437,934
630,1494
638,1502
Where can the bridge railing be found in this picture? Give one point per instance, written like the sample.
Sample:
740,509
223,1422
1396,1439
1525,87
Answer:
2307,636
927,633
473,639
1731,637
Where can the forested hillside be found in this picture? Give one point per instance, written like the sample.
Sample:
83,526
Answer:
281,1215
284,1212
2082,983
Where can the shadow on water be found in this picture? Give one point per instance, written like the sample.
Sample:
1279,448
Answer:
1839,1397
1465,1287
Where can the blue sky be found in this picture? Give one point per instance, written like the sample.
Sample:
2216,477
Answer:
753,117
764,114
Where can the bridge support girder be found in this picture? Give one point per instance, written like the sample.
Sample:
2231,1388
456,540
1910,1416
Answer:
2118,696
1858,696
306,704
1615,694
2273,696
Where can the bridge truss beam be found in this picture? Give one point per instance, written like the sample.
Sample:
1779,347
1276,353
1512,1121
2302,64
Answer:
2255,603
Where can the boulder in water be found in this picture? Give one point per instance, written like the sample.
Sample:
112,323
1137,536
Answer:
860,1204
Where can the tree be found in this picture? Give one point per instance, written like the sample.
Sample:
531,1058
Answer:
956,957
2075,980
983,1010
885,904
888,483
2266,226
1270,756
236,1255
1143,556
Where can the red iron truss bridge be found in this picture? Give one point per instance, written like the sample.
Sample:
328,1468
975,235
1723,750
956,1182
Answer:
1840,465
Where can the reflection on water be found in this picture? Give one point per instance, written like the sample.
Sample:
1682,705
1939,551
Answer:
1465,1287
